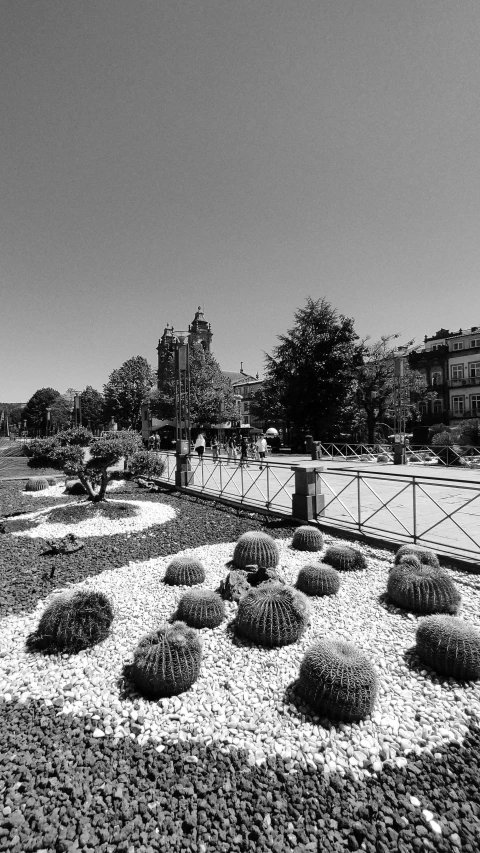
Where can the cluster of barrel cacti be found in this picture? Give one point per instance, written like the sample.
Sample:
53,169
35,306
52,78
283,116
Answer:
335,677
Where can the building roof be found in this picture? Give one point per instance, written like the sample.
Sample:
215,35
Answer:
236,377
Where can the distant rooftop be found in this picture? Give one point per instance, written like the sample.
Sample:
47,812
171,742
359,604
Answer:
444,333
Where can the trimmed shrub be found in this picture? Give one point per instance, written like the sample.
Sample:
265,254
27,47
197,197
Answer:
383,457
184,571
307,538
144,463
422,589
73,621
36,484
318,579
201,608
450,646
425,555
167,662
345,558
256,548
338,680
272,615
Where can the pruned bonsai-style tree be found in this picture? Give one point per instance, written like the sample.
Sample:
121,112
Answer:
79,454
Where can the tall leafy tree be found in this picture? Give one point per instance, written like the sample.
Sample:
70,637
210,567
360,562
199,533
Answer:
92,404
127,388
310,375
60,412
375,395
35,410
211,392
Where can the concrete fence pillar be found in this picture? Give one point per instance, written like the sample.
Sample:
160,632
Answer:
184,476
307,501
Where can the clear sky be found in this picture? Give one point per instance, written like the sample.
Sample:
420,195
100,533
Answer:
239,154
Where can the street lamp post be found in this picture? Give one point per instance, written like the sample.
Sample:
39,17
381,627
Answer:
49,420
183,473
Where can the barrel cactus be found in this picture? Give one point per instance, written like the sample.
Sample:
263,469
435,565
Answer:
201,608
272,615
345,558
450,646
422,588
36,484
318,579
425,555
307,538
338,680
256,548
184,571
167,662
73,621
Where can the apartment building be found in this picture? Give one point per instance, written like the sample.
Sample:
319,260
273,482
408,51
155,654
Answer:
451,362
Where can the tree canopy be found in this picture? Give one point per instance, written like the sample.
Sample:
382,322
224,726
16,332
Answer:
127,388
375,387
311,372
35,410
211,392
92,404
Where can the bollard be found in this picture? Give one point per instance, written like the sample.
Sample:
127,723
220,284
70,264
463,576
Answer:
307,501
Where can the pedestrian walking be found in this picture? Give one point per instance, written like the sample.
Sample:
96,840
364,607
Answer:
157,441
262,449
151,442
231,451
215,449
244,451
200,444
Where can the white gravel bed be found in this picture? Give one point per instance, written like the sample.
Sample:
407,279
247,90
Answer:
239,697
147,514
58,490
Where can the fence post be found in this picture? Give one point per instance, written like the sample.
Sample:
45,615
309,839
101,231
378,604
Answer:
414,502
359,502
307,501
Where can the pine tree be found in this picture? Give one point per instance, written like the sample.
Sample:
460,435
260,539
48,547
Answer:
311,374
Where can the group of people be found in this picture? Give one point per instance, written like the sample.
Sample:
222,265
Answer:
247,449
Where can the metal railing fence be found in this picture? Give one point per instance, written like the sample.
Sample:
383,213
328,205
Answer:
437,512
418,454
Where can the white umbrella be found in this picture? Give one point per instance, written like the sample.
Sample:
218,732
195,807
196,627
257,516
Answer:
271,431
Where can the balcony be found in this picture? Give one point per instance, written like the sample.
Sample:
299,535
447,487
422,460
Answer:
464,383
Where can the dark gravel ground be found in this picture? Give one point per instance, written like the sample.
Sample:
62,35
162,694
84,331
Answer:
64,790
25,570
61,789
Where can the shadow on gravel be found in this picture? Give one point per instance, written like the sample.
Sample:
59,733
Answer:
414,664
385,602
127,688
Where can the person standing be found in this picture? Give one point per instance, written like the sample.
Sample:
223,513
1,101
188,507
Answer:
262,449
244,451
231,450
157,441
200,444
215,449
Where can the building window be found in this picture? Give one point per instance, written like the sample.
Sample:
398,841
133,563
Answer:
457,345
457,371
475,403
436,378
437,407
474,368
475,342
458,405
423,408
